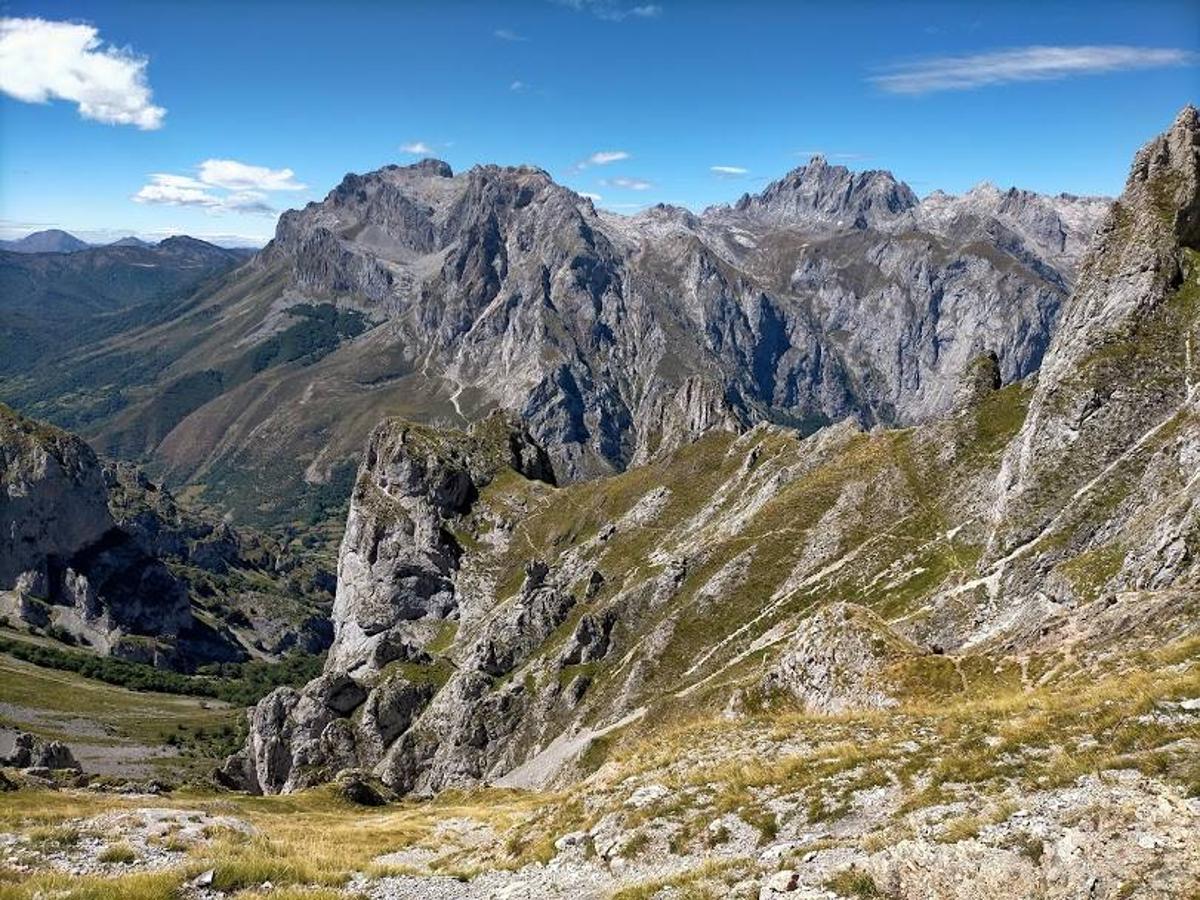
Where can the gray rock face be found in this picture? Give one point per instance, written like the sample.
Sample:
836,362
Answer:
1106,459
64,562
90,552
396,562
396,591
819,193
830,294
53,502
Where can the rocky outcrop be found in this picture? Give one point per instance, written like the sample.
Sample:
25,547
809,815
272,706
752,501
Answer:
64,563
396,593
837,660
91,555
821,194
30,751
1104,465
397,559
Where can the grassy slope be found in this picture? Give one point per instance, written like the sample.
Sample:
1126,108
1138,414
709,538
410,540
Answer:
763,527
115,723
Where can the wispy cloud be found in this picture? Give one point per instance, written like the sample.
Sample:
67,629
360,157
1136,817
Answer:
42,61
612,10
416,148
507,34
628,184
604,157
518,87
959,73
221,185
601,158
595,198
728,171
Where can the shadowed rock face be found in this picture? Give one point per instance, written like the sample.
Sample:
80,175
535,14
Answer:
616,339
489,622
86,552
63,560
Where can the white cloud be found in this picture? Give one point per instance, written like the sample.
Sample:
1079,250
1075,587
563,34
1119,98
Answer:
628,184
604,157
601,158
612,10
595,198
253,202
224,185
518,86
957,73
42,61
507,34
728,171
176,190
236,176
416,148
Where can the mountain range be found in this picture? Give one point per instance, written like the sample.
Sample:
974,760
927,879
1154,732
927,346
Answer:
55,240
440,297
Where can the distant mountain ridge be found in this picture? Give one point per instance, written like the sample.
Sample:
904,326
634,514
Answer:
53,303
57,241
50,241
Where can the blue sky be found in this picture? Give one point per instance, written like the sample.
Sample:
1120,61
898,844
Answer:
945,95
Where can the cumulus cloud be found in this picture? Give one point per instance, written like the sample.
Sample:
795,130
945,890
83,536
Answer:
416,148
236,176
507,34
958,73
221,185
42,61
728,171
628,184
176,190
612,10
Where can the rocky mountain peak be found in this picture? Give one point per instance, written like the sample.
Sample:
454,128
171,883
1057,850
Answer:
820,194
433,167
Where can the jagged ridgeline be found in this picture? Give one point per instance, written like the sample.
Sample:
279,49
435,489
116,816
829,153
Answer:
440,297
497,622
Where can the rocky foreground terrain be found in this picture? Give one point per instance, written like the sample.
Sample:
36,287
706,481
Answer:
944,647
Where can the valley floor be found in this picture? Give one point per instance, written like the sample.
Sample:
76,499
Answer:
1087,789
